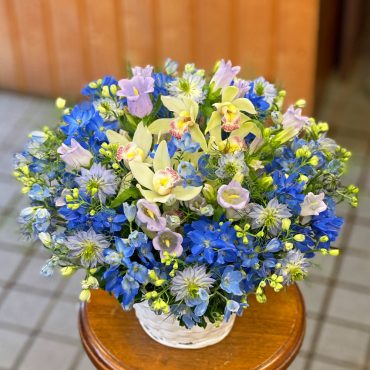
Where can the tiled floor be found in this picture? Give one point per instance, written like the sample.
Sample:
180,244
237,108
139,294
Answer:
38,315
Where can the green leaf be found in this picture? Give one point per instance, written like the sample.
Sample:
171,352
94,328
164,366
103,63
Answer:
218,213
133,193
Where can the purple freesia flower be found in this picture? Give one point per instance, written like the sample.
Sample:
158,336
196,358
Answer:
144,72
224,74
150,215
75,155
168,241
232,196
293,118
137,92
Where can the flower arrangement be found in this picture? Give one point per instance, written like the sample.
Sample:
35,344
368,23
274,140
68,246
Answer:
188,192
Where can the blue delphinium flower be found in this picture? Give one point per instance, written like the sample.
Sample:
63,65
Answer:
138,272
187,172
93,89
261,93
230,281
121,254
39,192
161,80
88,246
130,288
108,219
186,144
98,181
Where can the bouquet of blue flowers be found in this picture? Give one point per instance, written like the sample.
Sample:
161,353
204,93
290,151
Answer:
187,191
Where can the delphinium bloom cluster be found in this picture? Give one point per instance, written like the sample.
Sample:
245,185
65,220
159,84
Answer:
189,191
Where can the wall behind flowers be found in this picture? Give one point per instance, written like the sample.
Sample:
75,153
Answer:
53,47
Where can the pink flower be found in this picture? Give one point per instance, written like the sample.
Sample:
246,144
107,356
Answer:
168,241
292,118
224,74
75,156
232,196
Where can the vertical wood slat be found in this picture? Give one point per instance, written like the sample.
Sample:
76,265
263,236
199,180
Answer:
103,48
139,31
255,43
30,23
69,69
174,31
296,49
212,29
10,66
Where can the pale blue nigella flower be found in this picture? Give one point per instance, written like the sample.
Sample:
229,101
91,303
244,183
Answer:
230,164
88,246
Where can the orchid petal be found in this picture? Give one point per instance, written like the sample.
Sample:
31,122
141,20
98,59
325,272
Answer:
116,138
191,107
143,138
245,105
160,126
142,174
187,193
154,197
214,121
161,159
245,129
197,136
173,104
229,93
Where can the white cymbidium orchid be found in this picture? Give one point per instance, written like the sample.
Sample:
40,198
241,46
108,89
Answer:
229,117
135,150
185,113
163,183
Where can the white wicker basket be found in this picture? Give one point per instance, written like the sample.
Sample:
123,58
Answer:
166,330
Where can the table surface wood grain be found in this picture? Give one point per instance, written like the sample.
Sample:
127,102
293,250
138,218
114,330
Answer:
267,336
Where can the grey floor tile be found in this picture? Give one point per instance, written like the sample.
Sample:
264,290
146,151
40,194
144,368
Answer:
359,238
9,261
23,309
363,209
311,326
11,344
355,270
8,190
73,287
31,276
10,234
63,320
350,306
323,266
314,294
342,343
320,365
86,364
46,354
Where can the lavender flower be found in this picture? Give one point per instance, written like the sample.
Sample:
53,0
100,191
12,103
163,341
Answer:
137,92
243,86
313,204
129,211
150,215
293,119
143,72
98,181
88,246
224,75
75,156
168,241
187,283
270,216
233,196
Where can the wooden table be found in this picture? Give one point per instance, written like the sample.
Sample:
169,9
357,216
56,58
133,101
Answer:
267,336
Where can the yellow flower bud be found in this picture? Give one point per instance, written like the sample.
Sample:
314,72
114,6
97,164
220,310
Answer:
285,225
324,239
301,103
85,295
314,161
288,246
60,103
299,238
113,89
334,252
68,270
105,91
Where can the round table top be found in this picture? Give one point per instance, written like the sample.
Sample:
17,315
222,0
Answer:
267,336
